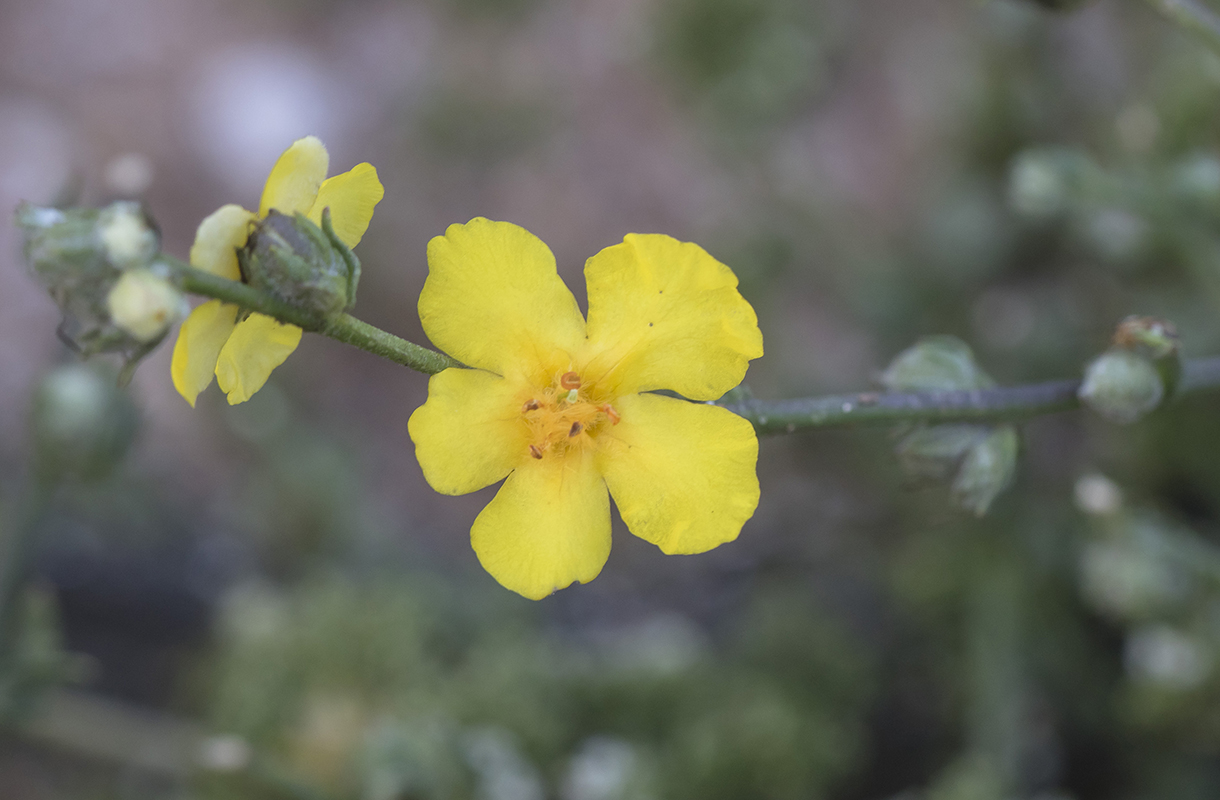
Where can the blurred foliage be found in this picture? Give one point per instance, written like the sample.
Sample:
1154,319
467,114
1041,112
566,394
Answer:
385,686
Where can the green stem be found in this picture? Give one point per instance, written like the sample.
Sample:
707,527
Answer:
343,327
1001,404
781,416
1194,17
17,551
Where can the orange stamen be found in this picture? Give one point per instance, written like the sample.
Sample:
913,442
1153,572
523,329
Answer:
569,380
611,414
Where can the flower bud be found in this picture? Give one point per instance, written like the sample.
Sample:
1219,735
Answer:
1122,386
301,263
82,423
935,364
144,304
79,255
986,470
979,459
128,239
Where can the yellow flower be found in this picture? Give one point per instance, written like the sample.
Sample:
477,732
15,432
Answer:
563,407
216,338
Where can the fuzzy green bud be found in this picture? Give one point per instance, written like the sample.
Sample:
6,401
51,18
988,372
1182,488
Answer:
986,470
978,460
301,263
935,364
82,423
1122,386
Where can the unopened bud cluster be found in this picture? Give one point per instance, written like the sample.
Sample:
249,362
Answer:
99,266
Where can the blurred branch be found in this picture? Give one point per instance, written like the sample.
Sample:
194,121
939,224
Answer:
1193,16
1001,404
343,327
150,741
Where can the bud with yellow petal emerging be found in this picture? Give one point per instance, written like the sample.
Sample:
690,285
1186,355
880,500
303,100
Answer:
144,305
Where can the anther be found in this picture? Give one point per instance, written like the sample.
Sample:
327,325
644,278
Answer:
535,451
530,405
576,429
569,380
611,414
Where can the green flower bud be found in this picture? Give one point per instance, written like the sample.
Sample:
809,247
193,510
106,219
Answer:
1122,386
979,459
82,423
80,255
301,263
987,470
935,364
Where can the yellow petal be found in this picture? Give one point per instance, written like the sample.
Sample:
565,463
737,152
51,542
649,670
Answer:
351,198
218,239
258,345
293,183
493,300
682,474
664,314
200,340
469,434
549,525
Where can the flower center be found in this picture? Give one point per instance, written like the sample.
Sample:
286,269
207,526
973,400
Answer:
563,416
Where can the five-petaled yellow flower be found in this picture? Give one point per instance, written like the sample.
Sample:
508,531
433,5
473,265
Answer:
215,338
564,408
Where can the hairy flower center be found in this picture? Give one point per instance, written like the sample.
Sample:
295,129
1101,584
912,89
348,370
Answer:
563,416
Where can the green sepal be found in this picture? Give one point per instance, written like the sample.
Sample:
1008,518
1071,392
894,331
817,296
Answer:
301,263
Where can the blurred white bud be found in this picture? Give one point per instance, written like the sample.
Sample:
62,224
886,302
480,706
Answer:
1037,186
603,769
1159,654
1127,582
503,771
1097,494
224,753
1198,178
128,239
1117,234
144,304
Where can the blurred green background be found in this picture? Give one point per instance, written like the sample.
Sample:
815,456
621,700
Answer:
267,601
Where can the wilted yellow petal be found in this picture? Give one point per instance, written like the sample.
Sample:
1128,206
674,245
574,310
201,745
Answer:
218,238
493,300
293,183
257,346
351,198
200,340
469,434
548,526
682,474
664,314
